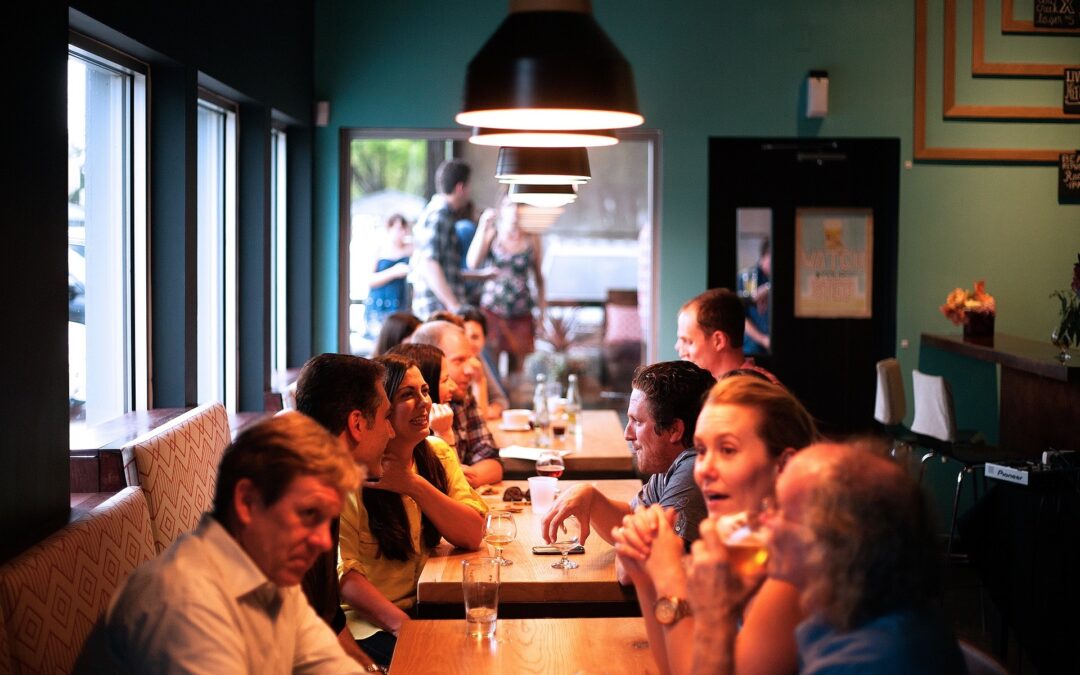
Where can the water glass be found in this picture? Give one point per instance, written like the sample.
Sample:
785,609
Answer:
480,587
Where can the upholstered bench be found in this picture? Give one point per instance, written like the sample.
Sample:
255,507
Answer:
176,464
52,594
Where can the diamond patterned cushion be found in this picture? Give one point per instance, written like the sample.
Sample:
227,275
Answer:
52,594
177,466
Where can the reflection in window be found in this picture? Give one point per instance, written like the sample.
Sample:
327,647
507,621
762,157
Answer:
753,228
216,256
105,140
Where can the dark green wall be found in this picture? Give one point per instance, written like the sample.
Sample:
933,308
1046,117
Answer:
736,68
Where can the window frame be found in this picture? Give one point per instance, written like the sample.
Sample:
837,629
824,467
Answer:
207,98
135,204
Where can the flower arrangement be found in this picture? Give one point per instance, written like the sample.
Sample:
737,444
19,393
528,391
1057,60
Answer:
1068,330
962,304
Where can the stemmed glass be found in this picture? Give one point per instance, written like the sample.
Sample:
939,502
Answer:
499,530
569,534
550,464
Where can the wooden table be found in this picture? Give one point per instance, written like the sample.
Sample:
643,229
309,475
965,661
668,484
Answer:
531,579
548,646
598,451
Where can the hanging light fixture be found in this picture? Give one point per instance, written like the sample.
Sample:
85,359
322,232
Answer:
543,196
549,67
593,138
543,166
538,219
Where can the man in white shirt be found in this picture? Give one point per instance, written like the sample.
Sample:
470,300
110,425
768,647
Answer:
226,598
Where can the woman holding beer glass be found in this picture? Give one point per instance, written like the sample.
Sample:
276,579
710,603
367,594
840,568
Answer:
747,429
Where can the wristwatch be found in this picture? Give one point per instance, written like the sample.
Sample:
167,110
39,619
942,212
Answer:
668,610
374,668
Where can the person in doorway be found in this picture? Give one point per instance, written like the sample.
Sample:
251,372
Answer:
389,292
507,299
439,281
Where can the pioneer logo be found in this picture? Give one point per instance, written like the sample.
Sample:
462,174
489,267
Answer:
1007,473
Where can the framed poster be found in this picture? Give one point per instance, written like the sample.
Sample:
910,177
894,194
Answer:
833,263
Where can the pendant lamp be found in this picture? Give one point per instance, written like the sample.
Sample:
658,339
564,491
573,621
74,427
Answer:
538,219
543,196
543,166
549,67
593,138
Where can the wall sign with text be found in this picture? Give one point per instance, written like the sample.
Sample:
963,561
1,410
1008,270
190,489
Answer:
1069,178
834,263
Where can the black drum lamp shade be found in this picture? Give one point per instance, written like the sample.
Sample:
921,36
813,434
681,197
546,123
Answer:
543,166
549,67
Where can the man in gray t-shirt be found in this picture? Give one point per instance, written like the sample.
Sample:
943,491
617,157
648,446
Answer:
663,411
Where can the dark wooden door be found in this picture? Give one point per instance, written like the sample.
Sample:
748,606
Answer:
827,363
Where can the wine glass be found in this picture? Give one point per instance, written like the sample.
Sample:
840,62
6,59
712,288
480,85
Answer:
499,530
550,464
568,536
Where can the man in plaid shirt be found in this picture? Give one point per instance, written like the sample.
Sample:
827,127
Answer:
474,444
438,280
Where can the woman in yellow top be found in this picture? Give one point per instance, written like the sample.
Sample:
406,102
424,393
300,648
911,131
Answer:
388,529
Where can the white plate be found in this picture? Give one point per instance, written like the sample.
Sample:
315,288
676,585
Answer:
514,427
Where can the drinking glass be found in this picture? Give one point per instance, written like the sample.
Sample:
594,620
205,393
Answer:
499,530
746,538
550,464
542,491
480,587
569,535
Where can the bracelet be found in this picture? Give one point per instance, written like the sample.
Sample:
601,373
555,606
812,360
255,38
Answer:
375,668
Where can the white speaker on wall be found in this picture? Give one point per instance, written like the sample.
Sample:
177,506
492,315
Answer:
817,93
322,113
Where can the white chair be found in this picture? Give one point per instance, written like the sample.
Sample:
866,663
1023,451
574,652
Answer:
890,406
935,428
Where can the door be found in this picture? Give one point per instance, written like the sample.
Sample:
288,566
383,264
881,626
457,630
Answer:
828,362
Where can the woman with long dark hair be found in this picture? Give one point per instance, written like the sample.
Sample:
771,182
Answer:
436,371
388,530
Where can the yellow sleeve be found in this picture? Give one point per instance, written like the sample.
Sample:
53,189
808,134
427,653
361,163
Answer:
356,544
459,488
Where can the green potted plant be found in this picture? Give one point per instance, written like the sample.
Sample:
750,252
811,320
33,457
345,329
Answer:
1067,332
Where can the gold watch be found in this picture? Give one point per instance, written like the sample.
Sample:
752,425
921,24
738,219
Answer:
668,610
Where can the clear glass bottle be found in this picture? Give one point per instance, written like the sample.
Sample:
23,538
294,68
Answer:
541,415
573,405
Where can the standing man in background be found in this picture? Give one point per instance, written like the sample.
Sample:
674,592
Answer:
439,282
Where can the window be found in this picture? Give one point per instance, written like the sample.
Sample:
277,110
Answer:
278,239
107,362
216,255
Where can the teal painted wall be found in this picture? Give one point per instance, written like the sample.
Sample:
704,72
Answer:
736,68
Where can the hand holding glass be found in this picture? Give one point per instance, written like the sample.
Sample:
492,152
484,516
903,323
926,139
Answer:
499,530
568,535
746,539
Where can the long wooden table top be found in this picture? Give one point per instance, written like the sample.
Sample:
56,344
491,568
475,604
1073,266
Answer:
549,646
531,578
598,448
